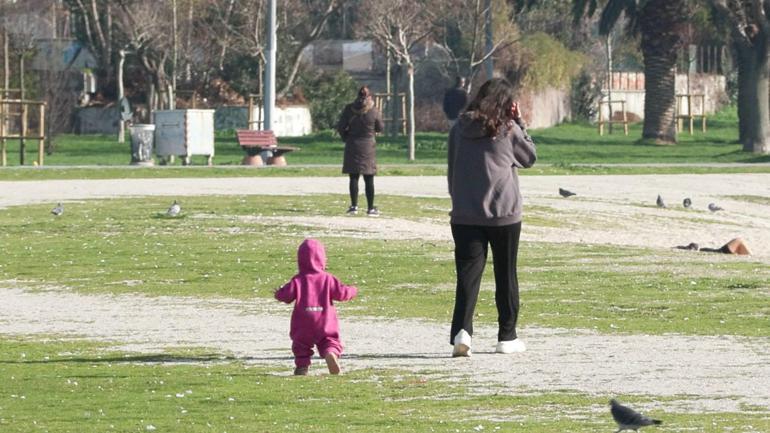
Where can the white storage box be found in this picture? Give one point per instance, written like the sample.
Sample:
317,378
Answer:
291,121
184,133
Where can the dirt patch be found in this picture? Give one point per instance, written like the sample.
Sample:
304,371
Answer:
716,372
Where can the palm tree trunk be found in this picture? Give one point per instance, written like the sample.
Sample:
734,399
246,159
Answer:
753,106
659,99
662,24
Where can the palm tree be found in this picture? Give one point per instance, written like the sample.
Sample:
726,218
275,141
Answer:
662,25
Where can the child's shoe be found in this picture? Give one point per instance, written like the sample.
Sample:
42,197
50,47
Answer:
352,210
373,212
332,363
462,343
301,371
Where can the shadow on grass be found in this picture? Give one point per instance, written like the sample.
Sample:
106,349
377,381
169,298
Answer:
151,359
210,358
164,216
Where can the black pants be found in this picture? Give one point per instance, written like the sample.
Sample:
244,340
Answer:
368,187
471,246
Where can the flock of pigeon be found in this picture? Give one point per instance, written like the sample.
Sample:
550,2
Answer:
625,417
174,210
687,203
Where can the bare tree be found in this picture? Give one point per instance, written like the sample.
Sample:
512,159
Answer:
223,14
471,21
232,27
308,20
248,27
143,25
398,26
95,19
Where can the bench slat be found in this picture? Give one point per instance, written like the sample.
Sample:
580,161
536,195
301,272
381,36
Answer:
265,140
252,138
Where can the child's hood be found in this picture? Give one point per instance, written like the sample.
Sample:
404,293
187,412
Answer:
311,257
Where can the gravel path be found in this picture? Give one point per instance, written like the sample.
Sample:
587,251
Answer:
715,373
718,373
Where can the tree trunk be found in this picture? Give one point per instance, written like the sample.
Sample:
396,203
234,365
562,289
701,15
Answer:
662,24
121,95
23,141
410,110
753,106
6,64
659,100
188,45
295,64
174,52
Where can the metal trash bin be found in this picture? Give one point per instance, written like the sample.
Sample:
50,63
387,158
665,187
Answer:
142,139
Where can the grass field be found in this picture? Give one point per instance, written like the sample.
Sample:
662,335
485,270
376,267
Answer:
129,172
75,387
55,385
564,145
216,250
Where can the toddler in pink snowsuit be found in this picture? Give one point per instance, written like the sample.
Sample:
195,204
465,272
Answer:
314,320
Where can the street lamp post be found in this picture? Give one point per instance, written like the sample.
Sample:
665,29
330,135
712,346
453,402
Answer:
272,45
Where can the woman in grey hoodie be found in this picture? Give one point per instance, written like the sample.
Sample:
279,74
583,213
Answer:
486,147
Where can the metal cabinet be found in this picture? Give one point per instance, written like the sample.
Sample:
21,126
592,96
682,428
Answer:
184,133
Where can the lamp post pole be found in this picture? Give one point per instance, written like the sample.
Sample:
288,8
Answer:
269,92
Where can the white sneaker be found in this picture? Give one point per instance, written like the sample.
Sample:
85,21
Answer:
462,342
511,346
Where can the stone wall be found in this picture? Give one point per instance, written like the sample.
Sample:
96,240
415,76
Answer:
96,120
627,89
545,108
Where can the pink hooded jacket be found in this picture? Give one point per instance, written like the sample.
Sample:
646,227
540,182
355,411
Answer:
314,291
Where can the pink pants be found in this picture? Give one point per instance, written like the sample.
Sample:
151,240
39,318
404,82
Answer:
304,350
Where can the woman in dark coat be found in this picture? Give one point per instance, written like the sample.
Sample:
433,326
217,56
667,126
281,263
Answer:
359,121
487,146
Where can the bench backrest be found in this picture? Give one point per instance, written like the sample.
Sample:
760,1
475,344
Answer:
251,138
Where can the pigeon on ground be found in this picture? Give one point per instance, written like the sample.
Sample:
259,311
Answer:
174,209
687,203
564,193
629,419
58,210
660,202
714,208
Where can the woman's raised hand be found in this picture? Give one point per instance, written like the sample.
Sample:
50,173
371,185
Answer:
515,113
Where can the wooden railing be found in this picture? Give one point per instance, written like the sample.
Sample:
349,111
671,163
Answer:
601,122
685,111
11,109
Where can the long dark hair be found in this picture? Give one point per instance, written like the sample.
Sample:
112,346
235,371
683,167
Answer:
363,94
492,105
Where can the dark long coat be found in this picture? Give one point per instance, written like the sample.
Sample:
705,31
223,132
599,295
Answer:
357,125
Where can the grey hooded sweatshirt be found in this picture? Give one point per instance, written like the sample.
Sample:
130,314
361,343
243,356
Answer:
482,172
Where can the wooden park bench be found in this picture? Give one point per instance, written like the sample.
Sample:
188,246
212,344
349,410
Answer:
256,142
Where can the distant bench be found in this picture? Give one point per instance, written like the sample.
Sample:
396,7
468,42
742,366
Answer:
256,142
